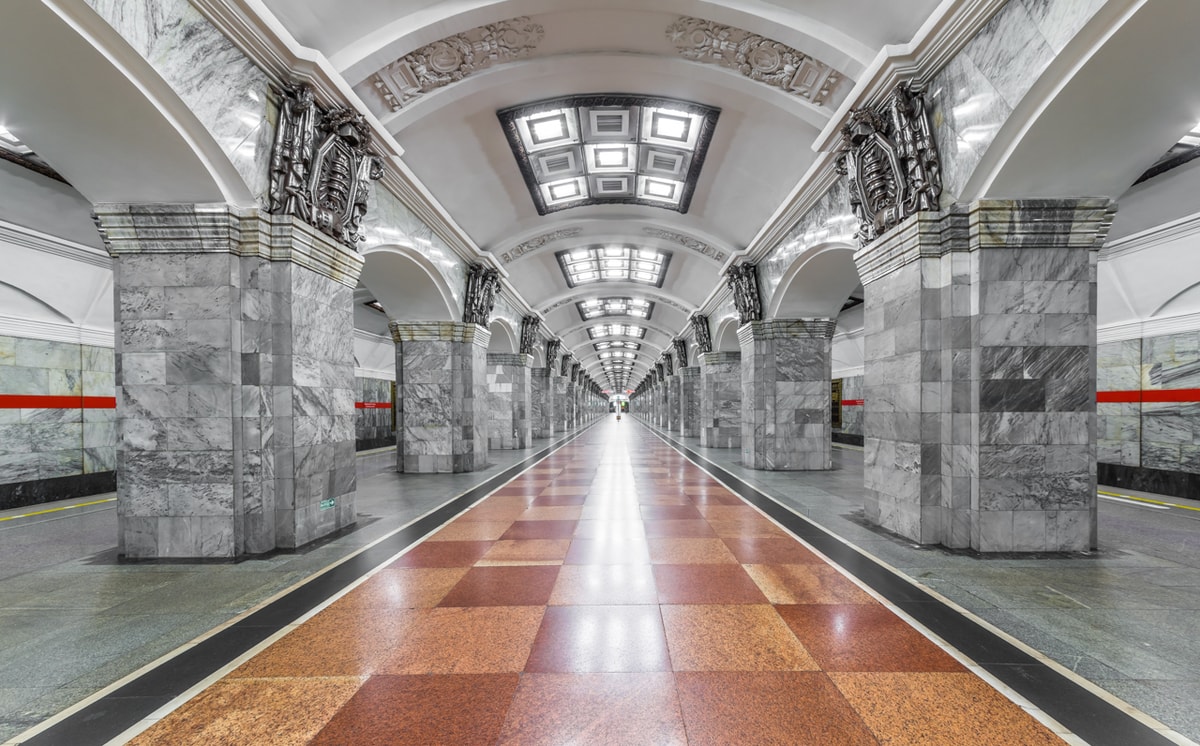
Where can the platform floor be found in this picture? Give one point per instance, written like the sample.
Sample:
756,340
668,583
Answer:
612,593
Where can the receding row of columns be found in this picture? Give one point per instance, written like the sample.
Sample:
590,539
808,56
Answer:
980,388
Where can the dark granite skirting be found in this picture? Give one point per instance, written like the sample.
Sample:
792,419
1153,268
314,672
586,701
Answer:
368,444
848,438
38,491
1158,481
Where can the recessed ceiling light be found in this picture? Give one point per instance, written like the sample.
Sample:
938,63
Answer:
673,126
660,189
565,190
611,157
547,129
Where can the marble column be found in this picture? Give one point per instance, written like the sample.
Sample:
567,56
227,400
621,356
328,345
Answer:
671,416
689,402
721,399
442,422
786,368
235,380
508,381
541,403
562,405
980,384
569,402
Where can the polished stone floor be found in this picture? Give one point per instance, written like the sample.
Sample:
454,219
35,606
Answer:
614,593
606,566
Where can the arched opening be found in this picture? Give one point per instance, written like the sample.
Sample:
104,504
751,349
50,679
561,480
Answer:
817,283
407,284
726,339
503,339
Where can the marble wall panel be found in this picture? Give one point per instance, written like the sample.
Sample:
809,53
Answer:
541,403
508,381
829,220
671,404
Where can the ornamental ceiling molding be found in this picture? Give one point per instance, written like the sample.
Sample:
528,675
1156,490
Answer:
453,58
756,57
538,242
686,241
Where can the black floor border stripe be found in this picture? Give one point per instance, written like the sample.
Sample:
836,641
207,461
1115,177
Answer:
121,709
1085,714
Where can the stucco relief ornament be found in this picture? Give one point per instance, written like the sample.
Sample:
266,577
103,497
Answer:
668,364
552,348
703,337
686,241
680,346
538,242
743,281
565,366
321,166
890,159
758,58
529,330
482,283
449,60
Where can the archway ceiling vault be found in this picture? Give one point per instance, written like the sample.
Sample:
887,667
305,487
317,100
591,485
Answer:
454,144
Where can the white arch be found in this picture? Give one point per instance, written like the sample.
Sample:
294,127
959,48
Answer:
816,284
726,339
504,338
407,284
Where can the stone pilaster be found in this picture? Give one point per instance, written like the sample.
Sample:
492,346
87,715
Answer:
509,424
980,385
235,374
721,399
786,369
442,392
562,404
689,402
671,418
541,403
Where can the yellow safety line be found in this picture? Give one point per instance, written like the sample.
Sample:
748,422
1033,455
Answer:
1147,500
55,510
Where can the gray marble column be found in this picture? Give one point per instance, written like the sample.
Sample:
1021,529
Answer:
689,402
441,395
235,380
562,408
569,408
721,399
786,369
671,416
541,403
508,382
980,385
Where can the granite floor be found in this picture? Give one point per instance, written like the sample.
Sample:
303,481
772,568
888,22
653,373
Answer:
613,593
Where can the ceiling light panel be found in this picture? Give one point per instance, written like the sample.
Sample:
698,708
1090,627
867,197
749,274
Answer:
631,149
620,263
616,330
616,345
594,308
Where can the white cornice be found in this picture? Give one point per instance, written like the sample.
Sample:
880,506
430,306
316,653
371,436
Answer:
1151,237
28,238
940,38
53,331
255,30
1149,328
812,187
384,375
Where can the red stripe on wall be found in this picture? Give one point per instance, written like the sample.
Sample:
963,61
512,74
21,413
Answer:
1149,395
372,405
852,402
36,401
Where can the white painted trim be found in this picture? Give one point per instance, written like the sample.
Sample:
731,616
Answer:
382,375
850,372
1149,328
27,238
1175,230
52,331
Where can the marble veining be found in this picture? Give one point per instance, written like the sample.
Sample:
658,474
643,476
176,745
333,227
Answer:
830,220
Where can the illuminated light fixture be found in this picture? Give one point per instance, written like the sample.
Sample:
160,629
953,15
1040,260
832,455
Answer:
614,264
618,344
610,143
565,190
616,330
592,308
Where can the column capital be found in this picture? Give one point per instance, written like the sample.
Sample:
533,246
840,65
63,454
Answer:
786,329
720,358
223,229
692,371
439,331
516,360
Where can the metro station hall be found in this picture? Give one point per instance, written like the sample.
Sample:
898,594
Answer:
646,372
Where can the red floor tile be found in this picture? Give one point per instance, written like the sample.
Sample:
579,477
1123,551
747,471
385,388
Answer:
540,530
399,710
695,528
769,707
492,639
608,552
732,638
807,584
600,639
864,637
760,551
604,584
705,584
444,554
597,708
503,586
610,530
670,551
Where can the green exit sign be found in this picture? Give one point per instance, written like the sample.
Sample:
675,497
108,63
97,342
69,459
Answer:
328,503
